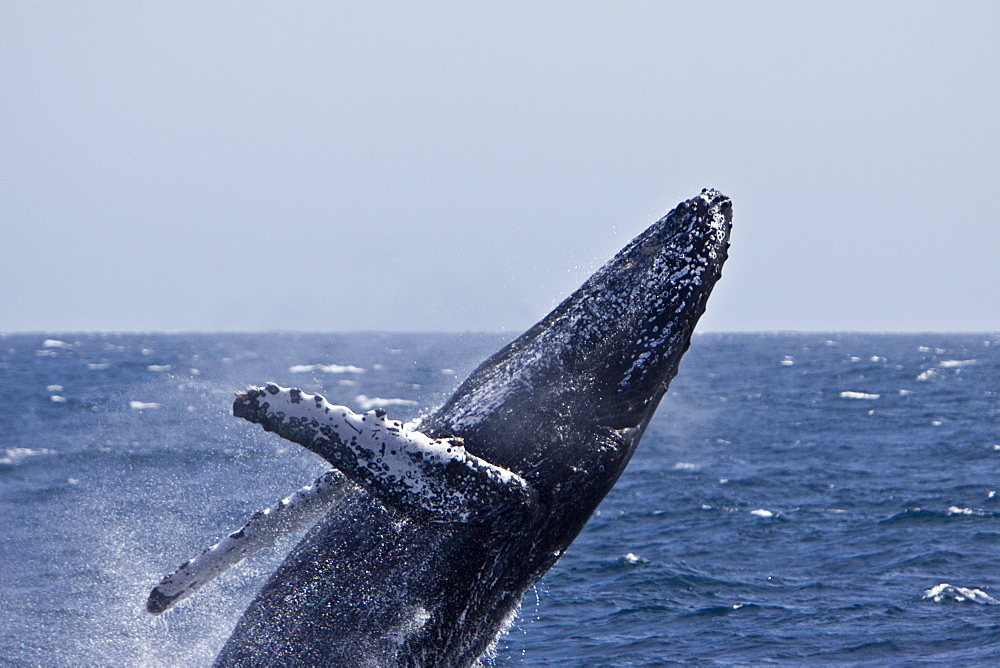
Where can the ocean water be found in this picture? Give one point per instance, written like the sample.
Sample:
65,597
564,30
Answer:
798,498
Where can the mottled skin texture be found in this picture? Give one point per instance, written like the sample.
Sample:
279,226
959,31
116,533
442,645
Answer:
563,406
403,468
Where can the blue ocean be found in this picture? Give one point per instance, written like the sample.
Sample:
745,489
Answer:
798,498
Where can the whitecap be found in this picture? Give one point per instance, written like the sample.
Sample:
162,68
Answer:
927,375
788,361
325,368
684,466
951,364
54,388
55,343
159,368
632,558
97,367
859,395
367,403
143,405
57,398
946,592
760,512
970,512
14,455
341,368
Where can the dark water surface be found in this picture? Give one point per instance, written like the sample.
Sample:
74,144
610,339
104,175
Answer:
793,501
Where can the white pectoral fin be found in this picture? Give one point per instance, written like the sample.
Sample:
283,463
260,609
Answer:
403,468
263,529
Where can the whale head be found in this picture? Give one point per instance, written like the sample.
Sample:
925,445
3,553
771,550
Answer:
572,396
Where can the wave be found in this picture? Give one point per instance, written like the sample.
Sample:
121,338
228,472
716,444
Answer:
366,403
859,395
724,610
630,559
16,455
923,515
951,364
325,368
946,593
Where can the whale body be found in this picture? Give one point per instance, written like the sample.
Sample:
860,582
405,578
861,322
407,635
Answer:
431,535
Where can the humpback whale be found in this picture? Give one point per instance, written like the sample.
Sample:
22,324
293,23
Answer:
425,537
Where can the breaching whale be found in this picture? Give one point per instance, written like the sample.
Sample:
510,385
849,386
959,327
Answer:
428,536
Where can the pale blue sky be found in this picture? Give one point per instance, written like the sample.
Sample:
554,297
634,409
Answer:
464,166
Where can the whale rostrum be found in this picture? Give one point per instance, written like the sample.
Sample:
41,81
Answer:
427,539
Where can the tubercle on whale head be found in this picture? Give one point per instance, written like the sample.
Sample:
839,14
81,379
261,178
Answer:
666,275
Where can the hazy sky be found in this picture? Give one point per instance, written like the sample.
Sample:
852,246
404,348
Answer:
465,165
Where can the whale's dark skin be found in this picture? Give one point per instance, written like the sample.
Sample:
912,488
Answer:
564,407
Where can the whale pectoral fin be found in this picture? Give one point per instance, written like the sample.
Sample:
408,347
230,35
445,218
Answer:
263,529
403,468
